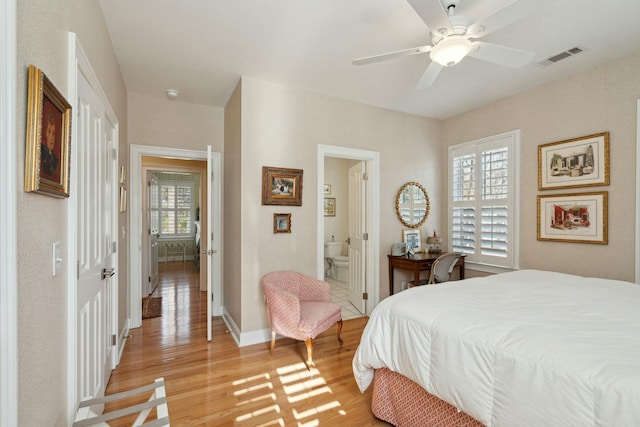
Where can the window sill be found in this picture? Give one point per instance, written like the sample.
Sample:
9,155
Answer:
487,268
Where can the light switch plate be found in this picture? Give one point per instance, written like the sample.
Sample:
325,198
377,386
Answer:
56,260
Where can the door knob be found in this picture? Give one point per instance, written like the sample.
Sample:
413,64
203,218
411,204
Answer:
108,272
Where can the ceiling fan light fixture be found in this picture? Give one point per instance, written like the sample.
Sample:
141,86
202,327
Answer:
450,51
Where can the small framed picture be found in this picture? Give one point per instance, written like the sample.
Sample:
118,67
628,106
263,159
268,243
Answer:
330,206
327,189
281,186
412,238
577,218
48,137
282,223
123,199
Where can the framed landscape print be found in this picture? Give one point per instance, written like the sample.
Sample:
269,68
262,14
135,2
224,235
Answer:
282,187
47,138
578,162
577,218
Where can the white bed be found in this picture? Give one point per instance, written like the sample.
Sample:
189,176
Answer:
526,348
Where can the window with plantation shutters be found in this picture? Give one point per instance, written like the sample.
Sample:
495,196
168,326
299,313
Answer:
483,200
174,211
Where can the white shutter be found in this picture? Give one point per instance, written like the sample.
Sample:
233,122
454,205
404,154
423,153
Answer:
464,181
464,230
494,218
494,231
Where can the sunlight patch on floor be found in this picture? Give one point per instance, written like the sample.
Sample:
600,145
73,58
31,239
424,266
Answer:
298,384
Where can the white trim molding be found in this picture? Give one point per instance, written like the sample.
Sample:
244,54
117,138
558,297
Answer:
136,152
637,255
8,219
243,339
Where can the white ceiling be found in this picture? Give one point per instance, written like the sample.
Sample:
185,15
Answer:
203,47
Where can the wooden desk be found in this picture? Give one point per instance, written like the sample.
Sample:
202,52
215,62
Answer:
417,263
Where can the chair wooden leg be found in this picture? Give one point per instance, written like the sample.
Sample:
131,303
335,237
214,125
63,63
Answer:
309,343
340,330
273,341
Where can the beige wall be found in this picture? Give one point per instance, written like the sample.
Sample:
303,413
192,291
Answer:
336,174
601,99
233,232
160,122
282,127
43,27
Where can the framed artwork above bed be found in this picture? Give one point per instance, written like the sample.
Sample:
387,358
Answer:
577,162
577,218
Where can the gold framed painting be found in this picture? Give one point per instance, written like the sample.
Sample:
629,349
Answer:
576,218
329,206
282,223
281,186
577,162
48,137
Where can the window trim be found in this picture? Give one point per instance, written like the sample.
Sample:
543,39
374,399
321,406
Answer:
483,262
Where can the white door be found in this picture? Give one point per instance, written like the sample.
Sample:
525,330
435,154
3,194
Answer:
96,143
210,244
153,230
357,239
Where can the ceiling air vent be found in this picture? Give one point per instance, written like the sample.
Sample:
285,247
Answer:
560,56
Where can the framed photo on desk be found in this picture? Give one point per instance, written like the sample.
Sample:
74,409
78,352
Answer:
412,238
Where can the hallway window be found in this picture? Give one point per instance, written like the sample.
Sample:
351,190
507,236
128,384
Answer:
175,209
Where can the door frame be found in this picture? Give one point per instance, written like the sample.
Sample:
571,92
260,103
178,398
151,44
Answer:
8,218
136,152
372,158
637,278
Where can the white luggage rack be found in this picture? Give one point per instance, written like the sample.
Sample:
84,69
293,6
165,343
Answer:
86,417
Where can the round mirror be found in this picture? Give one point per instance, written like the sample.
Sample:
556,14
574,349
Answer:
412,205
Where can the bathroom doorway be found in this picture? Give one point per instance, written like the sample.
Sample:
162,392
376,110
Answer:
348,227
336,233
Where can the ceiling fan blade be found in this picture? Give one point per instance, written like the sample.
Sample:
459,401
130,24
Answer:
501,55
392,55
433,14
429,76
511,12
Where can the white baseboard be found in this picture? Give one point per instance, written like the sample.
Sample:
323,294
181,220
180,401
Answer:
245,338
122,339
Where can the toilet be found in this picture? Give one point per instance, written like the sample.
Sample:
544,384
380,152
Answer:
338,264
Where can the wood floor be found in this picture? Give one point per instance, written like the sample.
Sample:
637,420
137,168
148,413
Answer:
219,384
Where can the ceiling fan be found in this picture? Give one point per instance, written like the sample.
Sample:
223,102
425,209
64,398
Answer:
451,34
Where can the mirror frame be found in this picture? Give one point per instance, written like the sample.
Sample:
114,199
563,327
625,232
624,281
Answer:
426,196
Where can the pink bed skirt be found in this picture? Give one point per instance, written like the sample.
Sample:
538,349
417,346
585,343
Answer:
403,403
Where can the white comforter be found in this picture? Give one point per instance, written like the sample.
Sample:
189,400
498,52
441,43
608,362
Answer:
526,348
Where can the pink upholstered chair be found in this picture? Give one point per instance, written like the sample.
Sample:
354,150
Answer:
299,307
